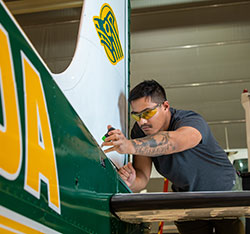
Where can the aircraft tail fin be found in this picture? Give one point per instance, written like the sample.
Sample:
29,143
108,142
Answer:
96,82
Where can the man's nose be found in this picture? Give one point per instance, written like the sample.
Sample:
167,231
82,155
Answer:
142,121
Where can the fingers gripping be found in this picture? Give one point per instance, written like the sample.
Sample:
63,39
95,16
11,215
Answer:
116,140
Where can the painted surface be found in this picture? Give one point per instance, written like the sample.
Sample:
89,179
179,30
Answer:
96,82
108,32
54,177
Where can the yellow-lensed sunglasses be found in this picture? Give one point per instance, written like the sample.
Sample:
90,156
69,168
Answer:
147,114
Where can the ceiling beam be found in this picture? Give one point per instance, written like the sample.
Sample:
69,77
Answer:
138,6
31,6
157,3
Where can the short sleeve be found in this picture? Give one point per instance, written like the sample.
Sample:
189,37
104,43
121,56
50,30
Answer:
196,121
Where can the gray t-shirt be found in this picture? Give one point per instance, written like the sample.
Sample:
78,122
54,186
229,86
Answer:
205,167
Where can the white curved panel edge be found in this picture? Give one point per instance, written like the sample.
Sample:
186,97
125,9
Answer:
96,88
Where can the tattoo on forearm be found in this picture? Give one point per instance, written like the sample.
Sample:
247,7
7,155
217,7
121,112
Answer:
154,145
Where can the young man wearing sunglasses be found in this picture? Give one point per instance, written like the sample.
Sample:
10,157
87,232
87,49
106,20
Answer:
182,148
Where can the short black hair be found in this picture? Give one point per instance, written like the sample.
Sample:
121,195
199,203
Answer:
148,88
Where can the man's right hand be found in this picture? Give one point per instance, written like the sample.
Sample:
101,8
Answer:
128,174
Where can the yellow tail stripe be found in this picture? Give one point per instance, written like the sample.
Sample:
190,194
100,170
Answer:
16,226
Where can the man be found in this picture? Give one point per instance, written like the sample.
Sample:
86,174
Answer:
182,148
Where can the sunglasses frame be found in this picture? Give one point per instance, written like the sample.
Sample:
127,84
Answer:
139,116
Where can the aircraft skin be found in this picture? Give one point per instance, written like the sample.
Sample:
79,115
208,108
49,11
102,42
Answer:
96,81
54,176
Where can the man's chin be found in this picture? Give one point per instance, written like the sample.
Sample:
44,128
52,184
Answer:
148,131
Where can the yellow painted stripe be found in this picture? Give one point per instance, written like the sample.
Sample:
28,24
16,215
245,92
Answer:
16,226
4,231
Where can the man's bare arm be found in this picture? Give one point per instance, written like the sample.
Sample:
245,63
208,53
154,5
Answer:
167,142
143,167
161,143
136,176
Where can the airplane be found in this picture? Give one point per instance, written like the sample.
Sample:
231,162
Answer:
54,176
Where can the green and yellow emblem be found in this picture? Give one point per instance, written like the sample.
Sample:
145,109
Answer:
107,30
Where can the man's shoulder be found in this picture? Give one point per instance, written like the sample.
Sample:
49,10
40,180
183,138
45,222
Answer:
178,115
180,118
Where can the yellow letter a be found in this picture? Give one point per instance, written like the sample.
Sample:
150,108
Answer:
40,156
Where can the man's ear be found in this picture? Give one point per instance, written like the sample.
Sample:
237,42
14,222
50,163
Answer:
166,105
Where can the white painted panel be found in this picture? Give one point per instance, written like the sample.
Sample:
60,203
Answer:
96,88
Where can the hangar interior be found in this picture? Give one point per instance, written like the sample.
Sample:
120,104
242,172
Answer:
197,49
